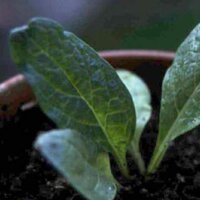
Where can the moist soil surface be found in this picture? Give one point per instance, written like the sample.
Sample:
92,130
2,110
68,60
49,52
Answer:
24,175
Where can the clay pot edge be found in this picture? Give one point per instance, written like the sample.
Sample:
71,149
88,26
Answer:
16,91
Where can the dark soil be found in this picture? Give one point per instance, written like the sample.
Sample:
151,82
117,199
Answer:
24,175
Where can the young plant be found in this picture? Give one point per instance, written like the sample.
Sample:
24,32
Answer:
100,111
79,91
142,100
180,97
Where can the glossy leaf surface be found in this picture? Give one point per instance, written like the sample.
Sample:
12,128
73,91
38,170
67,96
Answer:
78,159
74,86
180,96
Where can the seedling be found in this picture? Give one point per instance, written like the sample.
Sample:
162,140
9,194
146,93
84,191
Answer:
99,111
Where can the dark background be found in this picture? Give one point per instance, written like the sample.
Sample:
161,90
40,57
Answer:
104,24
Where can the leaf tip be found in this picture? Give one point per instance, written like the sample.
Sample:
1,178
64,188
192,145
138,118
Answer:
37,22
17,43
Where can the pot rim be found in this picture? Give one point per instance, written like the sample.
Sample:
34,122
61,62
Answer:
16,91
137,54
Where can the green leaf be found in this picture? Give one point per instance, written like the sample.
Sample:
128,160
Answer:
180,96
78,159
74,86
142,100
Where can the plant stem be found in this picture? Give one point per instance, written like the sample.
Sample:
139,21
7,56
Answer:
157,157
124,170
135,152
123,167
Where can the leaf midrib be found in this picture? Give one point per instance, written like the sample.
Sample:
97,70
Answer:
60,67
70,96
170,131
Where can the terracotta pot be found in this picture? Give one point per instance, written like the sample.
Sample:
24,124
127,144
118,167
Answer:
150,64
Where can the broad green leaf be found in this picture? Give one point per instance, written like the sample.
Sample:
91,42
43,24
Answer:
74,86
180,96
78,159
142,100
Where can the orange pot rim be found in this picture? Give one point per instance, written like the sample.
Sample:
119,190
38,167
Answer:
16,91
